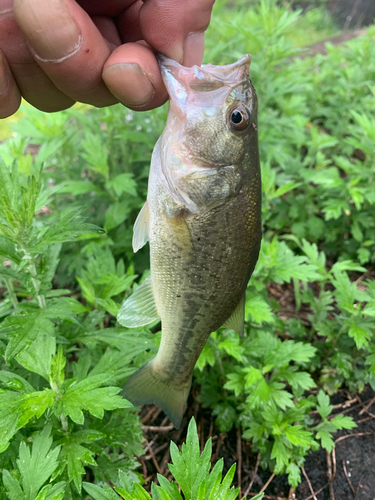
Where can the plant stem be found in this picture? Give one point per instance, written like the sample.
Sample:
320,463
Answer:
12,293
36,283
64,423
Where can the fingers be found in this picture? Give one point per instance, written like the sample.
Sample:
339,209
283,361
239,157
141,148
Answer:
67,46
132,74
10,97
176,28
57,53
33,84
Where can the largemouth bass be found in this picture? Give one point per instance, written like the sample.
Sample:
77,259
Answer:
203,221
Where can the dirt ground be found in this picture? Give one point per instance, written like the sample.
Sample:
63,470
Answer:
348,473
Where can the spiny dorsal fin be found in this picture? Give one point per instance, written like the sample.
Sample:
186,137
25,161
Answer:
236,321
140,231
140,308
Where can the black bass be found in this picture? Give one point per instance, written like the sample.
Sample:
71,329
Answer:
202,218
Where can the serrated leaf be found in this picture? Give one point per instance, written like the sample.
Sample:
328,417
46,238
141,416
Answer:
37,357
15,382
16,409
298,436
75,457
280,452
36,467
342,422
12,486
23,330
258,310
326,440
116,214
79,187
232,347
294,474
52,491
100,493
324,408
206,357
123,183
189,466
87,395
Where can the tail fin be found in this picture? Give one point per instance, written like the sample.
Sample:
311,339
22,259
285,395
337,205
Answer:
146,386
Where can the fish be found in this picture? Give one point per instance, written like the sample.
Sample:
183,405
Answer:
202,219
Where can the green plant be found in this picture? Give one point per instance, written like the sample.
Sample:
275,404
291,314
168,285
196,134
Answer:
191,471
310,305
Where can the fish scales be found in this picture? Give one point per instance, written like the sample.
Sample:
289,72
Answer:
203,223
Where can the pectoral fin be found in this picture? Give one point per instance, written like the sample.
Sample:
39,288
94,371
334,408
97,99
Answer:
140,308
140,232
236,321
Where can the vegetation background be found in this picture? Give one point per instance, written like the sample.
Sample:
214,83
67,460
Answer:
72,184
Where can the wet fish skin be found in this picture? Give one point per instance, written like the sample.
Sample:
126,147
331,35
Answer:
203,219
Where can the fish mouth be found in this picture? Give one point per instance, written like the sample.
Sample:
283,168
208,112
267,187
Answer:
205,78
225,69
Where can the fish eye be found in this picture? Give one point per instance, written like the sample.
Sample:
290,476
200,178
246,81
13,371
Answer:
238,118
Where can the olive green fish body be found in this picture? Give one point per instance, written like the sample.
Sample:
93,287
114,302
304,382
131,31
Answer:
202,219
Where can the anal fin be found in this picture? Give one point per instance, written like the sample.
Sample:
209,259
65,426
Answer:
236,320
140,308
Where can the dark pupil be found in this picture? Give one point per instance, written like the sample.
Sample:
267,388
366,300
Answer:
236,117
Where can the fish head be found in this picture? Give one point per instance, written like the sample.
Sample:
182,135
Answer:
213,111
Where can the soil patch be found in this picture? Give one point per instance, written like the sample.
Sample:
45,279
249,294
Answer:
348,473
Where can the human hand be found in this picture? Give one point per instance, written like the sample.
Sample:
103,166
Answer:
56,52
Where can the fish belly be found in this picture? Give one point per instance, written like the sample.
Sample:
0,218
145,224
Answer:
200,267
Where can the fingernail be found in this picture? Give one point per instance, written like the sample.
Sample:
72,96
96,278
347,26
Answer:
49,28
194,49
129,84
4,75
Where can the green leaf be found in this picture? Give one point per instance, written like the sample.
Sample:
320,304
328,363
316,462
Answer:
298,436
323,407
294,474
326,440
12,486
258,310
67,227
232,346
8,251
360,331
36,467
75,457
342,422
96,154
189,466
79,187
206,357
23,330
280,452
16,409
123,183
86,395
100,493
37,357
15,382
116,214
